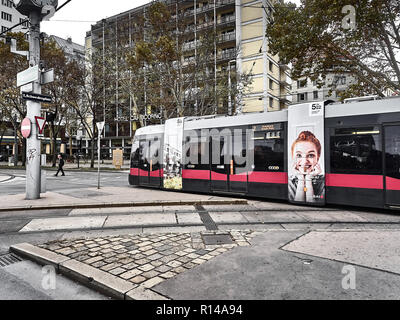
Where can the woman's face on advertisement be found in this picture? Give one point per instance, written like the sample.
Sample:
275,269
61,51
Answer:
305,156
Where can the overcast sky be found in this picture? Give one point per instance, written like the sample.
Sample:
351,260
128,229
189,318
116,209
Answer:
75,19
77,16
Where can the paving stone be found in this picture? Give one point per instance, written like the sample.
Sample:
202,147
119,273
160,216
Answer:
156,263
117,271
174,264
180,270
109,255
168,275
142,261
99,264
129,266
110,266
193,256
146,267
152,282
155,256
150,252
93,260
150,274
65,251
131,274
144,244
163,268
138,279
184,259
189,265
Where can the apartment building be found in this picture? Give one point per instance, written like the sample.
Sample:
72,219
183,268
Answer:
240,45
305,90
10,17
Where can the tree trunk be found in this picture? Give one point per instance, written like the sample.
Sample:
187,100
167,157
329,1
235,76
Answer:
92,153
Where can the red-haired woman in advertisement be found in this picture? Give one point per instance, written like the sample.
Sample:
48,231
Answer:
307,183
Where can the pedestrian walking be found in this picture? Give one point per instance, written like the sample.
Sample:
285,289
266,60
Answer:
60,166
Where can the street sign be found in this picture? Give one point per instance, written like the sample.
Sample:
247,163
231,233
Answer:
27,76
40,122
47,77
27,88
37,97
100,127
26,128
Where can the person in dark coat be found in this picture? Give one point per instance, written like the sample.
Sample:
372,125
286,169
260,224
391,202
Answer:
60,166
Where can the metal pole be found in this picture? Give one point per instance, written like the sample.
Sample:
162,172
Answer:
33,169
229,85
15,142
98,151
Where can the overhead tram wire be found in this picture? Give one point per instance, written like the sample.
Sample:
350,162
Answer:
27,20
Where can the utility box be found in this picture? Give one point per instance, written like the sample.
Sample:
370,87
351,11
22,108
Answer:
11,161
118,158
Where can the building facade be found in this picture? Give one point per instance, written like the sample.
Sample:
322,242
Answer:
240,47
305,90
10,17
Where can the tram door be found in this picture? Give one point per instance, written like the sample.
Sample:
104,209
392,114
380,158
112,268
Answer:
392,164
149,164
228,163
144,164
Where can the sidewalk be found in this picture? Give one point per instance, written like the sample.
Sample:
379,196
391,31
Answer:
109,197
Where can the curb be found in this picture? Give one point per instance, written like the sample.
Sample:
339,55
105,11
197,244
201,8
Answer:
91,277
127,204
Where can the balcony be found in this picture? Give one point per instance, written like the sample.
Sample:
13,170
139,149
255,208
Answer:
227,19
227,55
227,37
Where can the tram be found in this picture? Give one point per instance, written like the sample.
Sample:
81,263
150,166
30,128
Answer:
314,154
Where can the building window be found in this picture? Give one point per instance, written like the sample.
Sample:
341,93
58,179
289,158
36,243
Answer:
271,102
7,3
315,94
271,84
6,16
302,96
302,83
271,66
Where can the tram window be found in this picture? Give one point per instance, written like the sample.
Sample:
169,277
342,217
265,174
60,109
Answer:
269,151
135,154
356,150
196,151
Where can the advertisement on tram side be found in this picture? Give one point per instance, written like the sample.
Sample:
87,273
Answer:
306,156
172,160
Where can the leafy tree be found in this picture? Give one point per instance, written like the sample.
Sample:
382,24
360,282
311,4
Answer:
319,40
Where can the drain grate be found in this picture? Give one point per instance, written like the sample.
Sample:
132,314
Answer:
9,259
217,239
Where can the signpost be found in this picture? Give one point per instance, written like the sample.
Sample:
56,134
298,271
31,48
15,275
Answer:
36,97
36,10
26,128
40,122
100,128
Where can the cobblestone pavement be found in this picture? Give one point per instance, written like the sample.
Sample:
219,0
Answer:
147,260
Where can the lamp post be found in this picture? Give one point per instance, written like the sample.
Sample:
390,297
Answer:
230,85
79,140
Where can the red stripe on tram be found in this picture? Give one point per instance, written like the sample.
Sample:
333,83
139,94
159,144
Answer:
196,174
392,184
269,177
354,181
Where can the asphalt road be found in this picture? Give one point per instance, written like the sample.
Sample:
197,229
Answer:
16,181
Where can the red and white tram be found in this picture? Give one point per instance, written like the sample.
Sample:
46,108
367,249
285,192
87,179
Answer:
314,153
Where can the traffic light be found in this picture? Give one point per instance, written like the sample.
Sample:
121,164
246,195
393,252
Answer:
50,117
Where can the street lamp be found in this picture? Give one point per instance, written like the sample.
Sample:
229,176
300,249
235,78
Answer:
230,85
79,140
27,6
